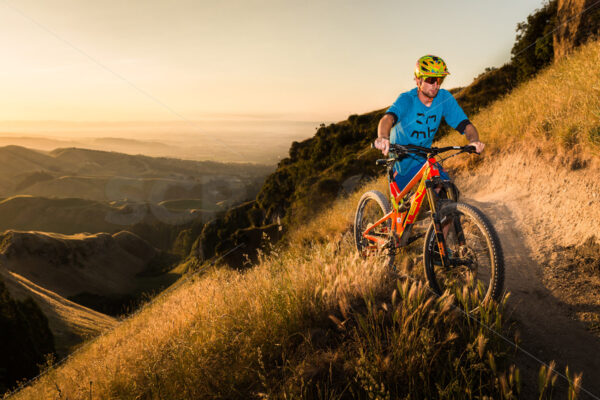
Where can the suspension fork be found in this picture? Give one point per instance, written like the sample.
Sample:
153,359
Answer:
460,235
437,224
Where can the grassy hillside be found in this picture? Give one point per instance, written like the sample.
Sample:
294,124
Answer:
313,320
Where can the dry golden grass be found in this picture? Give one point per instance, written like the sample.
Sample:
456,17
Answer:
336,220
311,320
221,318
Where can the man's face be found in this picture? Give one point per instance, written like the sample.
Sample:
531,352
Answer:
428,89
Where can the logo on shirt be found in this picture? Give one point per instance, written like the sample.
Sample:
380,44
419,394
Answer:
430,132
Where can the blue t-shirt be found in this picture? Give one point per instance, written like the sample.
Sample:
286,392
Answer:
417,124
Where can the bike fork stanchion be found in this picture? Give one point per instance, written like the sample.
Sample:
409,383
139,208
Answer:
437,225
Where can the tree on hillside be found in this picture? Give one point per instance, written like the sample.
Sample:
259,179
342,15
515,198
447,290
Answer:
533,48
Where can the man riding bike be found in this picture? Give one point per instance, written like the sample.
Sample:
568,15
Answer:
415,117
460,245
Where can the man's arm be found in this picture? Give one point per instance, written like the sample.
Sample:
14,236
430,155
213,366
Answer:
473,137
383,133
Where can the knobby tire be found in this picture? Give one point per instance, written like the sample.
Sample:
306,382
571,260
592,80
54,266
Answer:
482,251
372,206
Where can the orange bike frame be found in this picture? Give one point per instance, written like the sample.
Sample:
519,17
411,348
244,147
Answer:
401,220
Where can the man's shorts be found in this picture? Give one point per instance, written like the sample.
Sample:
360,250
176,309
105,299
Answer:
403,179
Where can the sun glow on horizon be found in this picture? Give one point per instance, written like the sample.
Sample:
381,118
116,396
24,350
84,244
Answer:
240,60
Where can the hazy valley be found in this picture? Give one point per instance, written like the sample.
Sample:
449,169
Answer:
259,140
89,233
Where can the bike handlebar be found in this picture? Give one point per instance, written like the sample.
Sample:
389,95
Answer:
427,152
401,149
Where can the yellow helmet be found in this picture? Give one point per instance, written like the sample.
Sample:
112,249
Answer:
431,66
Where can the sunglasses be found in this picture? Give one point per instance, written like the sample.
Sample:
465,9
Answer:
433,79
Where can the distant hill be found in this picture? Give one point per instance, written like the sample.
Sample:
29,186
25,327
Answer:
152,190
66,275
67,216
68,265
98,162
101,175
73,215
15,161
317,171
69,323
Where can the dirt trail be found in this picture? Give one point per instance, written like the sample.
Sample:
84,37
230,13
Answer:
546,331
527,209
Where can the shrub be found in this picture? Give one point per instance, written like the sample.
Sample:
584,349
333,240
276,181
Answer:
533,48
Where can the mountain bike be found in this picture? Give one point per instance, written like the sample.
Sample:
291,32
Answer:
460,244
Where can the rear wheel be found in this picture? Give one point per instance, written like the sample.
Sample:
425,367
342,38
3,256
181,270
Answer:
372,206
474,252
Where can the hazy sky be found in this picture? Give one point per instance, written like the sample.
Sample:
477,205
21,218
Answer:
78,60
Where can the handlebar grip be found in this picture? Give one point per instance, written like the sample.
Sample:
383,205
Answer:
470,149
380,162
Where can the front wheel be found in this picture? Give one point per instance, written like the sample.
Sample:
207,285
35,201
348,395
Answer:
372,206
474,252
